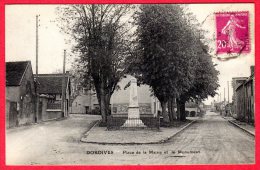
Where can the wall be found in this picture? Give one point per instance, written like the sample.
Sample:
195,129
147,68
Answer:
7,107
24,95
249,102
81,101
12,93
236,81
245,102
49,114
27,98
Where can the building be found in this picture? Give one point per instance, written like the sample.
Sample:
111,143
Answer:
50,100
148,104
236,81
20,94
245,99
86,102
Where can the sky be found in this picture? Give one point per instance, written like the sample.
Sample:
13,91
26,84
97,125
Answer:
21,30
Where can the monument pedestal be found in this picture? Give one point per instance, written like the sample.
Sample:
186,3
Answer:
133,109
133,118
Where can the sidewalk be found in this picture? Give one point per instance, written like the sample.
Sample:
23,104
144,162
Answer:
100,135
242,125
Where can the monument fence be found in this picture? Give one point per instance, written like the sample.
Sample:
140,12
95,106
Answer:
116,123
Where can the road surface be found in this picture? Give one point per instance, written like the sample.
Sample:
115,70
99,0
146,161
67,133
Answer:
211,140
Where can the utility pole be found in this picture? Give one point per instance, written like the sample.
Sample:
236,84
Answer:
36,78
228,90
63,105
224,96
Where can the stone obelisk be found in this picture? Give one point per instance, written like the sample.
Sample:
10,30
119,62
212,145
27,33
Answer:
133,108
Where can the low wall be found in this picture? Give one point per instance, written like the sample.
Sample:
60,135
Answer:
52,114
117,122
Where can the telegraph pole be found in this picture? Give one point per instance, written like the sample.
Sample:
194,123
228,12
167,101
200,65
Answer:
63,86
224,96
228,90
37,51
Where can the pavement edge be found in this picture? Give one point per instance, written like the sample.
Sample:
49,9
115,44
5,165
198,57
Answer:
134,143
243,129
88,131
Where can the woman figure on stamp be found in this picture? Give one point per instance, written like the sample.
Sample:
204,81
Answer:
230,30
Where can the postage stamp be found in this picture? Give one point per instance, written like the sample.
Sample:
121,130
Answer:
232,34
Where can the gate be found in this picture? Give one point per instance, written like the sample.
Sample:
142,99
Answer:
13,119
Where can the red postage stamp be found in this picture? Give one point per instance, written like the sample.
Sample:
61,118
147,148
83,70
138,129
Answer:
232,32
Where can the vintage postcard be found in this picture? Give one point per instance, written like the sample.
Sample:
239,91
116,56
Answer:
130,84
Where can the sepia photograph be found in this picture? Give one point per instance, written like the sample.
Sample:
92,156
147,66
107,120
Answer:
130,84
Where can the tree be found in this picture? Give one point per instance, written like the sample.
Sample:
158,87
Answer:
101,42
171,57
205,84
164,59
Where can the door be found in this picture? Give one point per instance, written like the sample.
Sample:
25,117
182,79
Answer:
13,117
87,109
39,118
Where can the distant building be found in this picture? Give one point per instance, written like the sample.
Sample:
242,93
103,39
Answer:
50,91
20,94
85,101
148,104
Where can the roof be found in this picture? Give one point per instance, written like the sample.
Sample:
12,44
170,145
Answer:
51,83
239,78
15,71
249,79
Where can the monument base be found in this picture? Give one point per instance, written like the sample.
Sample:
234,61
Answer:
133,122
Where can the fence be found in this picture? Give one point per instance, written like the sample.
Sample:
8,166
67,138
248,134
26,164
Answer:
55,105
114,123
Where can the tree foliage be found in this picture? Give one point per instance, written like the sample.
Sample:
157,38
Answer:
100,36
171,55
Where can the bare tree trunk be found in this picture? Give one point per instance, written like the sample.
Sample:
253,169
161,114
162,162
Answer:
103,109
174,116
103,104
169,104
107,104
172,113
182,111
178,109
164,113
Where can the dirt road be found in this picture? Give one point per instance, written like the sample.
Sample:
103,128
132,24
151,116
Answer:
211,140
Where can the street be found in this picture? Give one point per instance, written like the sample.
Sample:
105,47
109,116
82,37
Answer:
211,140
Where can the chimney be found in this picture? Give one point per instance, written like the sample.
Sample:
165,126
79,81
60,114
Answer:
63,105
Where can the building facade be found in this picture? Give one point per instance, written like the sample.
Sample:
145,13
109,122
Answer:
50,96
86,102
236,82
245,99
20,94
